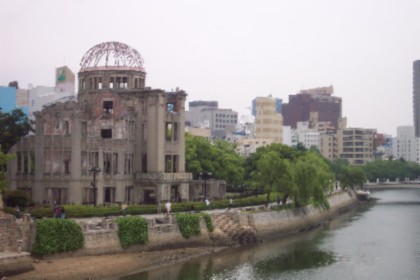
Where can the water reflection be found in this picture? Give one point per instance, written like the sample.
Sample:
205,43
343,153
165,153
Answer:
261,260
378,240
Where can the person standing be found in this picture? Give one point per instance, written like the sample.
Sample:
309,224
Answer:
230,203
207,201
168,207
57,211
159,207
17,211
124,208
62,212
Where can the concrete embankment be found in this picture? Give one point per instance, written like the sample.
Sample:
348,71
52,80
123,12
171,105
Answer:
232,228
274,224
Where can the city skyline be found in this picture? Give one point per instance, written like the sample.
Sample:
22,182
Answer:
232,51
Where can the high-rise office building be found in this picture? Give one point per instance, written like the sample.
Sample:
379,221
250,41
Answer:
416,97
311,101
268,122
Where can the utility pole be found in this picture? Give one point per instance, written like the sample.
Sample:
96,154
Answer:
205,175
93,184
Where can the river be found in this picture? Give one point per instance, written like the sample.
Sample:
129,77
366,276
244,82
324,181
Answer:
378,240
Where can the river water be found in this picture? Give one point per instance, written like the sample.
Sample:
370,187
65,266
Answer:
377,240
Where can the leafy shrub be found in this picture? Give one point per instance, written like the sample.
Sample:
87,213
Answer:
57,235
189,224
209,222
132,230
13,198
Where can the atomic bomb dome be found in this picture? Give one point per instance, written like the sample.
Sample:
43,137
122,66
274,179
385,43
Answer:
112,55
111,66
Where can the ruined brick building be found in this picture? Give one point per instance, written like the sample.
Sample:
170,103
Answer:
119,141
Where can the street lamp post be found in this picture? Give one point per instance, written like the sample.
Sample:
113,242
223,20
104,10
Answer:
205,175
93,184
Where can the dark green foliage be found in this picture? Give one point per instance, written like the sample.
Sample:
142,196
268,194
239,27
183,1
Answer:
299,172
13,126
218,157
13,198
189,224
132,230
313,178
352,176
209,222
391,169
57,235
4,158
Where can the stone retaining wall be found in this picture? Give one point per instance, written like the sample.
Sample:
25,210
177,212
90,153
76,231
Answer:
272,224
101,237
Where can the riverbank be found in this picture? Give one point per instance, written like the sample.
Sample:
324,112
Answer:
110,266
102,256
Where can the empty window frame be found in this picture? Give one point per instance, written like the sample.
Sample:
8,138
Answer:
115,163
66,127
84,129
128,163
111,82
129,194
171,163
106,133
121,82
171,131
67,166
93,159
107,163
144,163
170,107
108,106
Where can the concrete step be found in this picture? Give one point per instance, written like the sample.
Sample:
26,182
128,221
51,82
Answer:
233,231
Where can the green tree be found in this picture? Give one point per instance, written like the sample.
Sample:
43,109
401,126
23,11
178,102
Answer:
313,177
4,158
219,158
391,169
13,126
273,174
284,152
352,176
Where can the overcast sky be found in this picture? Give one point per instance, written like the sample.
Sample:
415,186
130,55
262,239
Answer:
232,51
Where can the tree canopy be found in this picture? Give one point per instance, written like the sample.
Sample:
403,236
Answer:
313,177
4,158
299,172
391,169
218,157
273,174
13,126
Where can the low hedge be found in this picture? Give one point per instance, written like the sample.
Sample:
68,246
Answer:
132,230
57,235
86,211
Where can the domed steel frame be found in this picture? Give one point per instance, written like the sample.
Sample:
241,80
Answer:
112,54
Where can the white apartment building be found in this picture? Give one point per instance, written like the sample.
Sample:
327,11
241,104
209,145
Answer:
406,145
